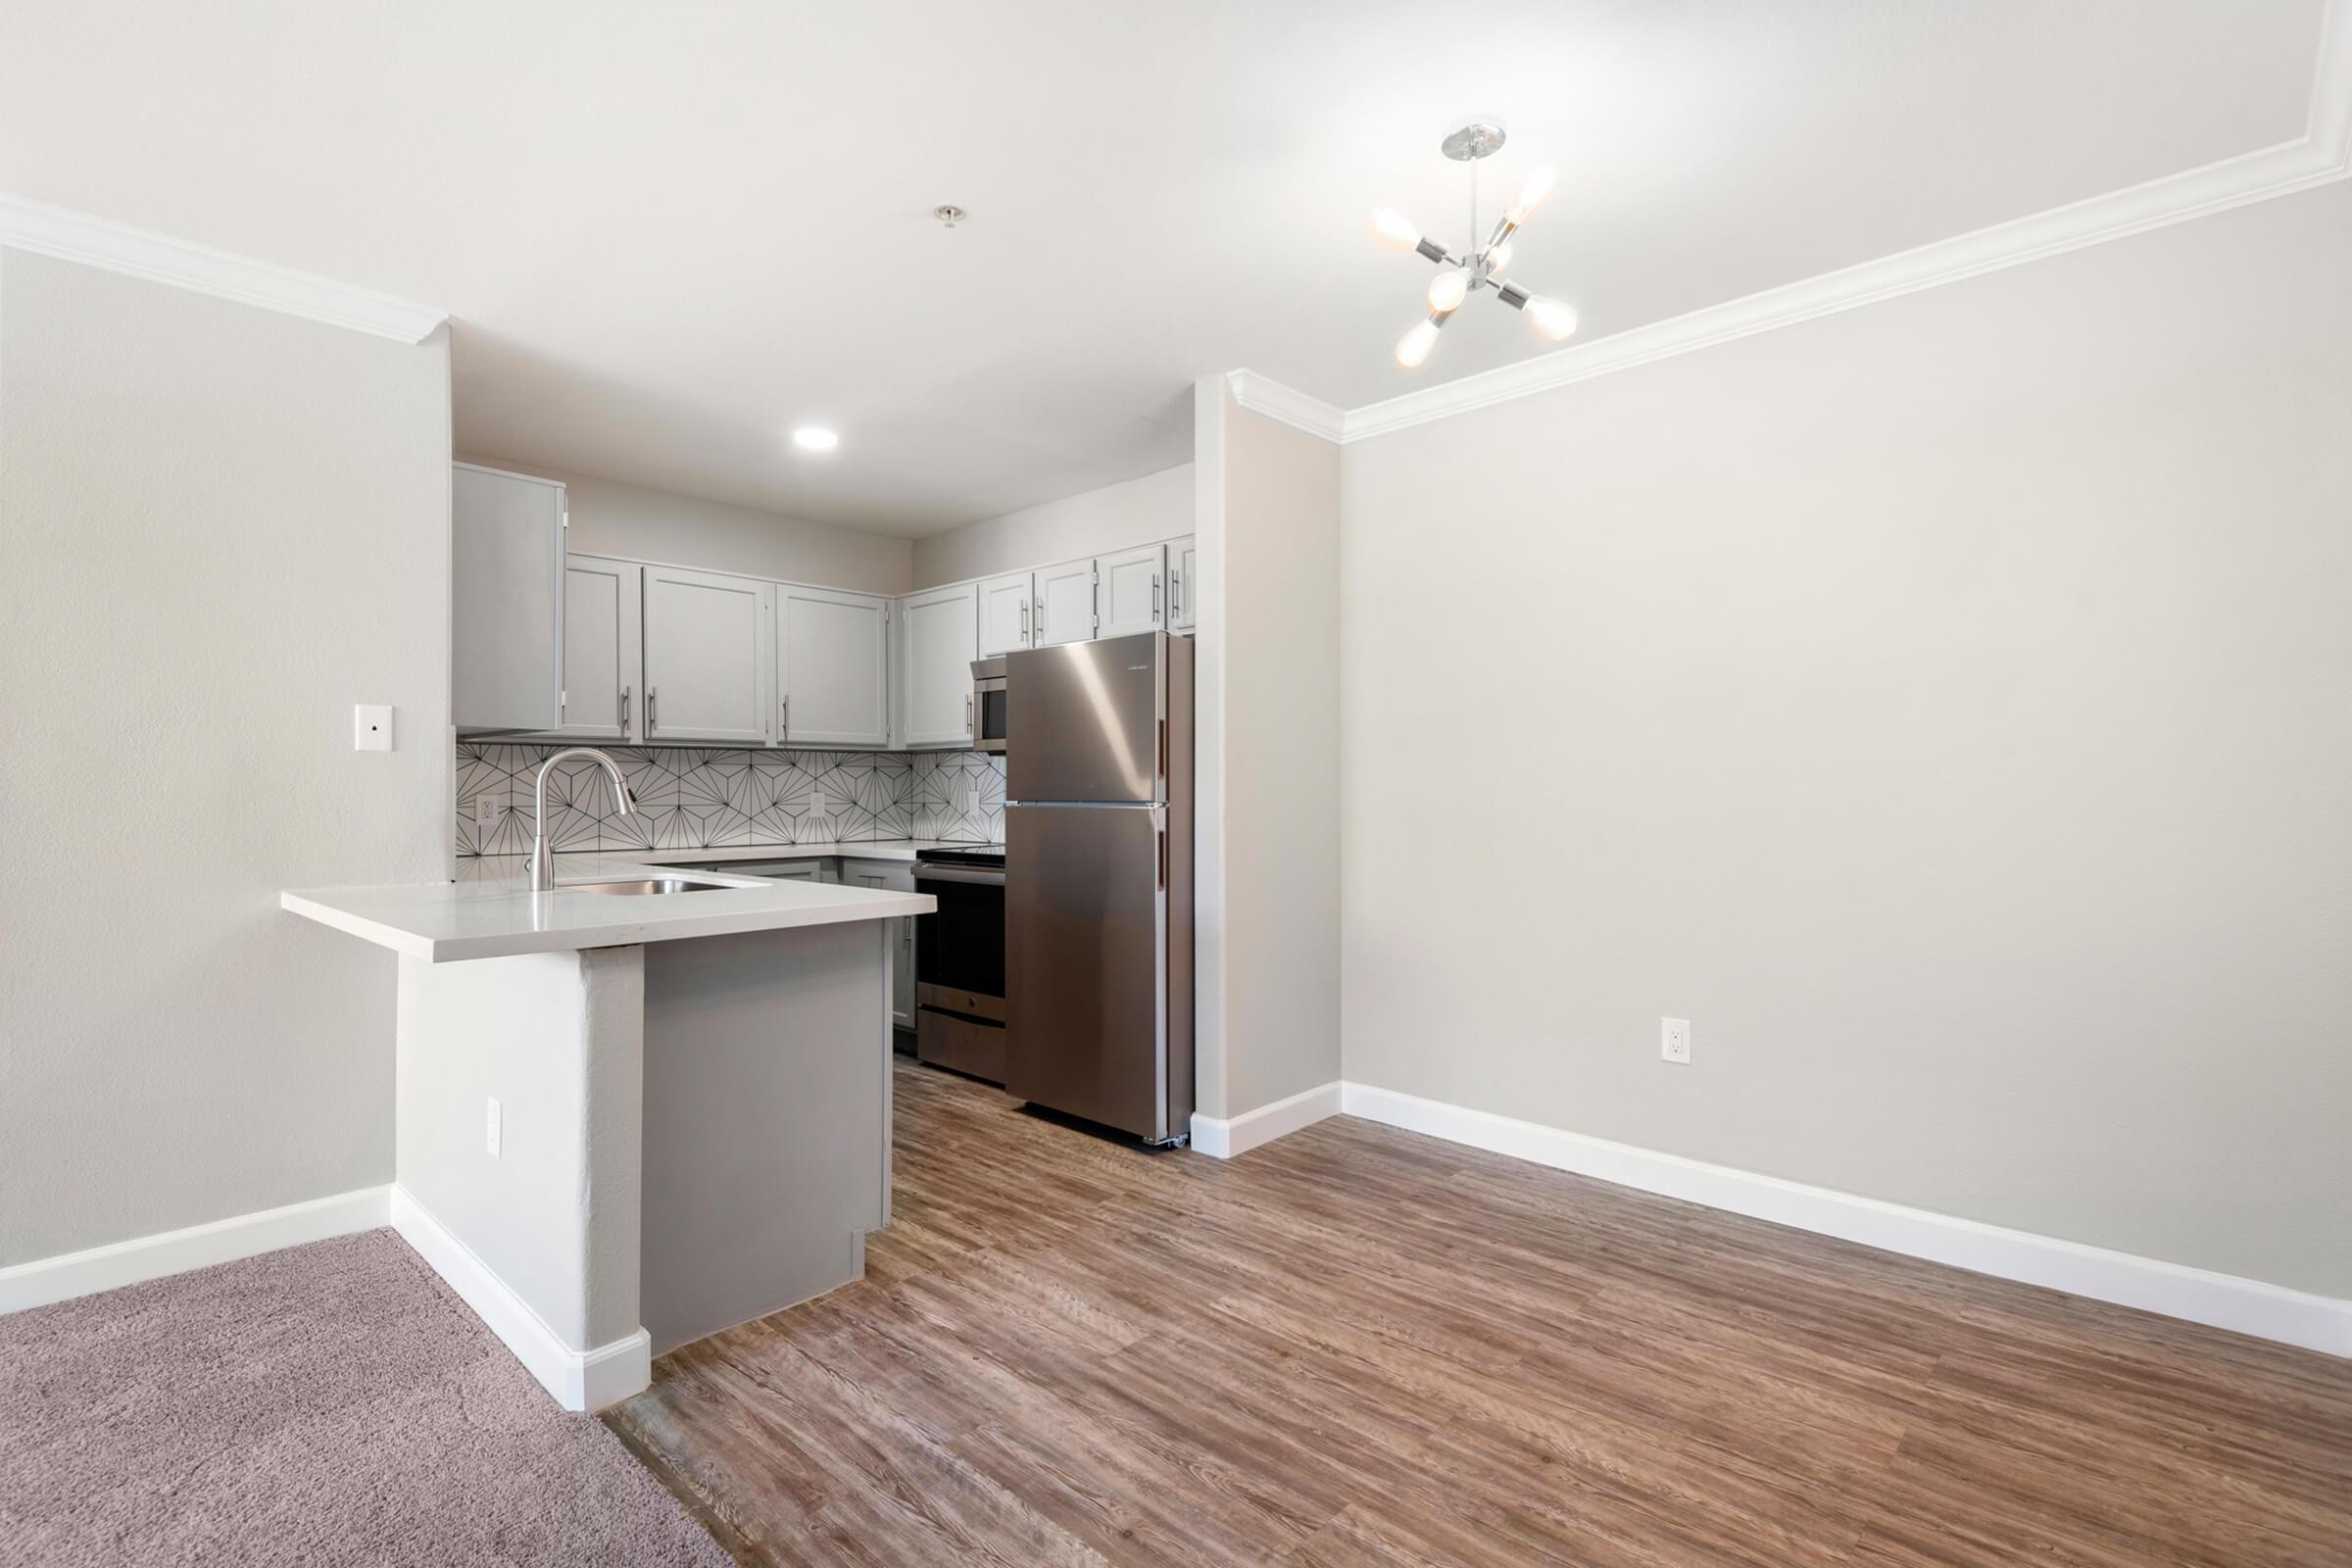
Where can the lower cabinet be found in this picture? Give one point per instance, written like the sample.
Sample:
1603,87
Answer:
897,877
815,869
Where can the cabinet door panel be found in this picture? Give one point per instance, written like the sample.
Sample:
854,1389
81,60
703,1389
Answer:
1005,615
710,657
507,601
939,637
1182,558
1130,592
603,651
1066,604
833,670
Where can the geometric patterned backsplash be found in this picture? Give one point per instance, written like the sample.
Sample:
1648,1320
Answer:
694,798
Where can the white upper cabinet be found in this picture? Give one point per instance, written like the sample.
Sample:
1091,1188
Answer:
1180,584
1005,615
507,601
1065,598
832,667
710,657
1130,592
603,649
939,637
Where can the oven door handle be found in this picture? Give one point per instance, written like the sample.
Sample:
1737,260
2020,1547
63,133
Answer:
958,874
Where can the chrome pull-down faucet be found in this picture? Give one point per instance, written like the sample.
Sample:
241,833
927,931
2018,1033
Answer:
542,865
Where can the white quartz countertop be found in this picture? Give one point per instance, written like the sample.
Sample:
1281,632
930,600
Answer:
493,914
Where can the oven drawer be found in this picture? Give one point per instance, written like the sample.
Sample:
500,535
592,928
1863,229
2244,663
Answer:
960,1045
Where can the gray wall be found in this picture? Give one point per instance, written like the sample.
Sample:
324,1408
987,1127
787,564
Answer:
1137,512
610,518
219,528
1280,631
1946,705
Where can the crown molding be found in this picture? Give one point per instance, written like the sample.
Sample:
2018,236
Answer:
2322,155
1293,408
30,226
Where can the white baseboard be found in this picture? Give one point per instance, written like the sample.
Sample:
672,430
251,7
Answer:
2199,1295
580,1380
1238,1135
221,1240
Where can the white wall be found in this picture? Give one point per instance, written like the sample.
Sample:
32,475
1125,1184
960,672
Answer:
610,518
219,529
559,1039
1946,705
1266,857
1093,522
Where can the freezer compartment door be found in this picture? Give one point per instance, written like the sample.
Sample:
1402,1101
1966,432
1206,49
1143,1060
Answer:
1086,954
1085,721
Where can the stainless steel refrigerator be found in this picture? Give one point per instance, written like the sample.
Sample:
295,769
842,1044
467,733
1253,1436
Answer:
1099,881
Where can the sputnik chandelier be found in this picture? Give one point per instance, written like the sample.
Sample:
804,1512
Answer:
1465,274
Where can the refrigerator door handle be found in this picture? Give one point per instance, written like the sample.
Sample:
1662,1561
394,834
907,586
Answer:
1163,859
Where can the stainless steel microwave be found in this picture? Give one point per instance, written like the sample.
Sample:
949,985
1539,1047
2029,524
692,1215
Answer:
988,698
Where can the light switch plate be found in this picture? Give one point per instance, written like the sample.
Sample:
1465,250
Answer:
371,728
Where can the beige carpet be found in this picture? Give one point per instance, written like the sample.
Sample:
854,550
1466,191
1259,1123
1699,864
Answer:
331,1404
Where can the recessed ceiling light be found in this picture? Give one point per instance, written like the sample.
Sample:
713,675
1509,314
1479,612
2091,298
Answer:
814,438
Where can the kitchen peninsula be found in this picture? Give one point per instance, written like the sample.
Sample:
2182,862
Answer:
626,1119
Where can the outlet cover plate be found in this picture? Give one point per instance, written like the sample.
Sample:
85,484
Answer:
371,728
1673,1039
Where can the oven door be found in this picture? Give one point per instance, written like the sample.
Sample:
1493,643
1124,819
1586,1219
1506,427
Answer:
959,946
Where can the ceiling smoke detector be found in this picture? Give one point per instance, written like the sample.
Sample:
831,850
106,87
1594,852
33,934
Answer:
950,214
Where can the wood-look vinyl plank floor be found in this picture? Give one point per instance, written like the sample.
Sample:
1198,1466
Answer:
1361,1348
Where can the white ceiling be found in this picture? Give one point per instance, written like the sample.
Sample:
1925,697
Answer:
667,234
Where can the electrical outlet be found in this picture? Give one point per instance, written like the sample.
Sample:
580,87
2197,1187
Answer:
492,1137
371,728
1673,1039
487,809
817,806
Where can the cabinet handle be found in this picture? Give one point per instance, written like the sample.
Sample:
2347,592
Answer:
1156,599
651,722
967,715
785,728
625,712
1024,624
1175,594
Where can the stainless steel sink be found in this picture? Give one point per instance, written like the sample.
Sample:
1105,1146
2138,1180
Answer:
659,884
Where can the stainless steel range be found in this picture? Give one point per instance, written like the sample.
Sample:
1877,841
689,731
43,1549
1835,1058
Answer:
959,960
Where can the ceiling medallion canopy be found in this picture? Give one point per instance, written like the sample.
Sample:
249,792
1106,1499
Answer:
1481,266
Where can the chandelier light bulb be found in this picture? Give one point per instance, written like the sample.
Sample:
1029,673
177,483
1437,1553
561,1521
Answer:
1549,317
1412,350
1392,229
1449,289
1532,195
1499,257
